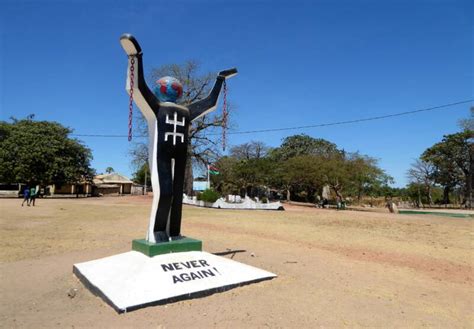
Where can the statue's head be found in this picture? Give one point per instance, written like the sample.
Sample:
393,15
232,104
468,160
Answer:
168,89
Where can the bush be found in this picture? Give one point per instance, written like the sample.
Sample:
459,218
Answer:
209,195
264,199
303,196
199,196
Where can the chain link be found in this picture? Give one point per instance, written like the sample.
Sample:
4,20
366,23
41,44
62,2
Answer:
130,105
224,117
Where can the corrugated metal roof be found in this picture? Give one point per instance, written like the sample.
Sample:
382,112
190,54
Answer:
113,178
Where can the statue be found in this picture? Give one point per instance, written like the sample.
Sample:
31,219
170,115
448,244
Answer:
168,127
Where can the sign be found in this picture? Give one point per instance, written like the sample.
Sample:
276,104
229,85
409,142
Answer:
200,186
133,280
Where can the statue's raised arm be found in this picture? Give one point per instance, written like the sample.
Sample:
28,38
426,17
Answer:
142,95
208,104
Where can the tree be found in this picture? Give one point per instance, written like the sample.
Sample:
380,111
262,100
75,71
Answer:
251,150
40,152
300,167
109,170
142,175
242,176
452,159
302,144
139,151
365,177
204,139
336,173
421,173
468,123
301,175
226,182
253,173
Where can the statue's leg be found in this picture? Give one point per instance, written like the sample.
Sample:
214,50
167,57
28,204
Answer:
178,185
166,192
152,157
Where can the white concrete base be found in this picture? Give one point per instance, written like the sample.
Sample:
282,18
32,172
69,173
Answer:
133,280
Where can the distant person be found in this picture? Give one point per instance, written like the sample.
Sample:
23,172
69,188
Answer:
325,203
317,203
392,207
338,203
26,196
33,193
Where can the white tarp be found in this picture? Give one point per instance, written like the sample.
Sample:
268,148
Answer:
247,203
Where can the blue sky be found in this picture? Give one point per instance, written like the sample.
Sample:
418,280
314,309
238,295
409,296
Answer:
300,63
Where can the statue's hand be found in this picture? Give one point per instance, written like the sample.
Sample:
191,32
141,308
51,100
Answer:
226,74
130,45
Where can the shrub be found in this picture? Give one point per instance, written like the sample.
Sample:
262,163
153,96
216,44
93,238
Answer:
199,196
303,195
264,199
209,195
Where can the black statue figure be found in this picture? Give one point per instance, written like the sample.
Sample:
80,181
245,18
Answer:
168,126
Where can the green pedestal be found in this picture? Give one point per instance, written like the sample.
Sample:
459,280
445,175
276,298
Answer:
154,249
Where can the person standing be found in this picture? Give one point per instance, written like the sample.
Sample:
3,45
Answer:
26,196
32,196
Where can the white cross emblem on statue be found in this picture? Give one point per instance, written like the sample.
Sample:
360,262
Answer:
175,123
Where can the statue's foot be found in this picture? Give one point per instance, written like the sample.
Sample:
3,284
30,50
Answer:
160,236
176,237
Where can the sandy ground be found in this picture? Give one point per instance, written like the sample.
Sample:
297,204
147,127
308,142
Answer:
335,269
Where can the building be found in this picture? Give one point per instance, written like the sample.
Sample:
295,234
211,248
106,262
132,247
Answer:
107,184
111,184
84,188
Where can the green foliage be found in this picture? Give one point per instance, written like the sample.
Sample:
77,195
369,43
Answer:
302,144
452,159
300,167
420,196
209,195
236,175
41,152
303,195
300,174
365,177
140,174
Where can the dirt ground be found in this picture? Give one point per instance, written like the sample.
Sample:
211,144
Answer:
335,268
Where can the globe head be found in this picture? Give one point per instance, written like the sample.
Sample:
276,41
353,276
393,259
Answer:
168,89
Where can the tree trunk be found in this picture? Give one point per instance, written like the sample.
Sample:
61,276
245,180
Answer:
469,190
338,192
430,198
470,178
446,196
419,197
288,194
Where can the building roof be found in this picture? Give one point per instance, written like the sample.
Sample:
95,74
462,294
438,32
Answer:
113,178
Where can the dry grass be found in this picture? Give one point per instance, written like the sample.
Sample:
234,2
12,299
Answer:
335,268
